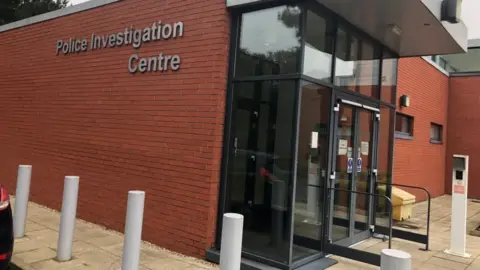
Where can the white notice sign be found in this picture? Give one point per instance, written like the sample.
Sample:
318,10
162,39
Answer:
364,146
314,142
342,147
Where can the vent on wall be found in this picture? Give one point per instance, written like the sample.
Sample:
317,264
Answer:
404,101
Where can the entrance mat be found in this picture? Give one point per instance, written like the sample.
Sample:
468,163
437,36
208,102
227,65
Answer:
213,255
319,264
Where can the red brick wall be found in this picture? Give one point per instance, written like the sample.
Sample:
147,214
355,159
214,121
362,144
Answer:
85,115
464,129
419,162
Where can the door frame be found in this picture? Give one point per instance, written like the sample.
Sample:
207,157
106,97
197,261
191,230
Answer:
358,103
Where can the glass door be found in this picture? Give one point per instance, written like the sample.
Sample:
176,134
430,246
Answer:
353,167
260,168
312,166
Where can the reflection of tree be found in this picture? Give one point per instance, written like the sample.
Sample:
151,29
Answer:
14,10
290,17
273,61
256,64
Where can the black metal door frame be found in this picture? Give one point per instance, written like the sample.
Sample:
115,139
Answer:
358,104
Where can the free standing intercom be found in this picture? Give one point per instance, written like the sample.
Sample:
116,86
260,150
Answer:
459,206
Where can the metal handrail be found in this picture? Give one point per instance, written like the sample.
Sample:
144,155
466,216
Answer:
428,204
375,195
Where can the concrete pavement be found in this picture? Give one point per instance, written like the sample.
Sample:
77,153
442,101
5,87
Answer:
94,247
435,258
98,248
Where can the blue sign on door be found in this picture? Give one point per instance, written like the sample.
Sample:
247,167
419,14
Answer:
359,164
350,165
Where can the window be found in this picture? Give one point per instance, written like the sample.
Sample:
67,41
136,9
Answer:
389,78
317,61
403,125
436,133
268,45
357,63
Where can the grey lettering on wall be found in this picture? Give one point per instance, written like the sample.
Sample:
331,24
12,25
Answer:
158,63
134,37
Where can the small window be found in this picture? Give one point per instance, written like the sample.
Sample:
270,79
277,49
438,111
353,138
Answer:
403,125
436,133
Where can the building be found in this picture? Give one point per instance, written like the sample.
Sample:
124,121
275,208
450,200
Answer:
273,109
440,120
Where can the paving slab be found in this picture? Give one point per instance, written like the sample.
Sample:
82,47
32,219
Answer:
53,264
32,256
105,241
27,244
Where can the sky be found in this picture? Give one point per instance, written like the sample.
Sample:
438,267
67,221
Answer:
469,15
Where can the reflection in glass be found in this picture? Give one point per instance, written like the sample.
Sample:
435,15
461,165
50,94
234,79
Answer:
312,156
385,141
343,172
389,78
260,179
317,61
357,66
269,42
362,179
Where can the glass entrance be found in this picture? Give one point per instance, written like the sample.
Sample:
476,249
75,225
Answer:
312,169
353,163
283,141
261,168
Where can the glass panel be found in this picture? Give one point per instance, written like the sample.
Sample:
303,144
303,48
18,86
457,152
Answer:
312,166
260,179
389,78
442,63
317,61
363,166
344,173
436,132
384,161
356,66
269,42
403,124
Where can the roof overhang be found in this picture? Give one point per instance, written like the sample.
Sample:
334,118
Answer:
407,27
467,62
474,43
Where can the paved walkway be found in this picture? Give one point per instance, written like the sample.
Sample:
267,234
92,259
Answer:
98,248
439,240
94,247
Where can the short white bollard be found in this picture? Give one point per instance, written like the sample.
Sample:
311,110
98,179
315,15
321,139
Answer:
21,200
133,230
68,218
231,243
392,259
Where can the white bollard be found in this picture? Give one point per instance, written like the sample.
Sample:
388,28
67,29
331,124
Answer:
231,243
392,259
21,200
133,230
68,218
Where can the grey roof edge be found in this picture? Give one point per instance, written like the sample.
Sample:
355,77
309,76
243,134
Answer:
56,14
474,43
